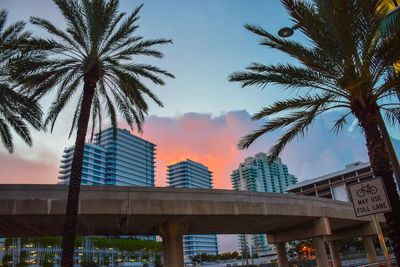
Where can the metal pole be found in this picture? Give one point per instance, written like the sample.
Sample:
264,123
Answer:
382,240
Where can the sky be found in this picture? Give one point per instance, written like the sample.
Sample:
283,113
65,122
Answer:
204,115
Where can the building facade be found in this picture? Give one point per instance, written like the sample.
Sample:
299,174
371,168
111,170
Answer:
334,185
190,174
125,160
259,175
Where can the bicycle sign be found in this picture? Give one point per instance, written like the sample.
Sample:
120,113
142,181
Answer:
369,197
368,189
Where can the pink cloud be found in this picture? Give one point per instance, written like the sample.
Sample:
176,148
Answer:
210,140
15,170
199,137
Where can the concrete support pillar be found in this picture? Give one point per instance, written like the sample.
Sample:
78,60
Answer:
370,249
172,233
281,253
320,251
336,262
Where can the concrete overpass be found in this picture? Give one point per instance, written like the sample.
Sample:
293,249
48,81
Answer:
38,210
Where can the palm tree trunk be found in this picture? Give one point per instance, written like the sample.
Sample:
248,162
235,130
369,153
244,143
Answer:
389,147
71,214
380,163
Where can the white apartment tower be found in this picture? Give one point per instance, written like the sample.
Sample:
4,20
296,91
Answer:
190,174
258,174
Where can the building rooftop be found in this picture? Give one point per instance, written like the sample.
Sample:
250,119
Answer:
124,131
189,161
358,165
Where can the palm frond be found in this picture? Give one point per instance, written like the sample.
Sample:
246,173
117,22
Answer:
340,123
392,115
270,126
3,19
343,63
62,99
5,136
20,127
299,128
313,58
287,76
49,27
97,40
17,110
302,102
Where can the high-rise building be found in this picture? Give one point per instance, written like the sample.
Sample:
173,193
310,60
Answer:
259,175
190,174
123,160
94,165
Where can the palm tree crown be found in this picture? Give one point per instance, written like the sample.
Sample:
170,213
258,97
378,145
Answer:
16,110
98,48
346,64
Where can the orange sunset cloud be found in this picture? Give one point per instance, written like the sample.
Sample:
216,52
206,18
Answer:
210,140
199,137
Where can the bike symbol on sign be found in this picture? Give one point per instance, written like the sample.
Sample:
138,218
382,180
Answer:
367,190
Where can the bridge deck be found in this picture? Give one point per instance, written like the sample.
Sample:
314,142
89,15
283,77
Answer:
37,210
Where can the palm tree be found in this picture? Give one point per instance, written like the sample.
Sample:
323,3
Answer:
94,58
16,110
344,65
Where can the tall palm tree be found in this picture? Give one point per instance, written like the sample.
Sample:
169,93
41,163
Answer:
16,110
343,65
94,58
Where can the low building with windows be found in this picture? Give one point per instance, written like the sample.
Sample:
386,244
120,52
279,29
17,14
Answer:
334,185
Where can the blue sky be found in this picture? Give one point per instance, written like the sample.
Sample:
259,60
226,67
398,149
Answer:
210,43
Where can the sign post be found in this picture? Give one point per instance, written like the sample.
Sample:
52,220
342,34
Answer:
370,198
381,240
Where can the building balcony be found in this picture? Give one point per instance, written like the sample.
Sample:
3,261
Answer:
64,171
64,177
68,153
66,159
65,166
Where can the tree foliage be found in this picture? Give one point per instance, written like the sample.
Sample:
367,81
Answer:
343,62
199,258
17,111
99,46
95,59
346,64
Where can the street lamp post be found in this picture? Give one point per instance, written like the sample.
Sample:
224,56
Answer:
288,31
